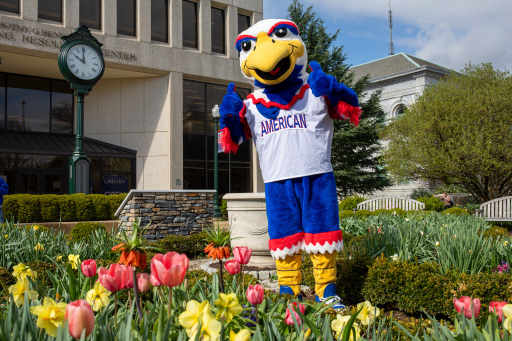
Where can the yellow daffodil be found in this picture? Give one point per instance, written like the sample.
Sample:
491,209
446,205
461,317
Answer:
193,314
18,291
505,243
22,271
339,323
228,307
437,244
210,328
39,247
6,236
35,227
395,257
58,258
50,315
367,313
74,260
97,297
306,334
507,311
406,219
243,335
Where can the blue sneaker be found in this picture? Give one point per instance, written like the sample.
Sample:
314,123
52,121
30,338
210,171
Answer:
330,296
286,290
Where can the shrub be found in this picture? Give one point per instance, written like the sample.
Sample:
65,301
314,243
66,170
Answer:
398,211
114,201
224,208
67,208
192,245
101,207
350,203
455,211
6,280
42,269
84,207
82,231
495,232
50,209
380,211
28,208
420,192
347,214
363,213
432,203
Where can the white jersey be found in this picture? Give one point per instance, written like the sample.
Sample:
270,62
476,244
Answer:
295,144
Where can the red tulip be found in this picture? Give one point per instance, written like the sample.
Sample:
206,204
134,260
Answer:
497,308
88,267
111,279
80,316
232,266
127,277
169,269
289,319
255,294
464,304
143,282
242,254
154,281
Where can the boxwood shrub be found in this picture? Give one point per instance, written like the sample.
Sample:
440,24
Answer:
28,208
432,203
455,211
82,231
349,203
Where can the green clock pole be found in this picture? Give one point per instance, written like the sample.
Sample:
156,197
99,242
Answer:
79,152
216,208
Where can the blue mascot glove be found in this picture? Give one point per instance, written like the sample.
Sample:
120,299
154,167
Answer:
231,103
318,81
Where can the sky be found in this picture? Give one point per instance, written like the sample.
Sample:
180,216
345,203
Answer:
451,33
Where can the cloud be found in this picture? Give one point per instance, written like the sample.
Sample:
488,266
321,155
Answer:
450,33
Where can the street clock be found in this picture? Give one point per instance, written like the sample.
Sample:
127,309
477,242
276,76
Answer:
82,65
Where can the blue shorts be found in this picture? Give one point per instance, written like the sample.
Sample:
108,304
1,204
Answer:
303,215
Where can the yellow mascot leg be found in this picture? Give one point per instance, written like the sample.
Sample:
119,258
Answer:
289,275
324,269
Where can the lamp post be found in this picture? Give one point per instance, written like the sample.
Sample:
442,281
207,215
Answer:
216,208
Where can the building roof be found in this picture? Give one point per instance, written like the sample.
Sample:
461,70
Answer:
392,64
57,144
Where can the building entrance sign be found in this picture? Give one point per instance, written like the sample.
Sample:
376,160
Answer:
81,63
115,184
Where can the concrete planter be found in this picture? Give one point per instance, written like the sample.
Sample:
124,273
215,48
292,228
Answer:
247,215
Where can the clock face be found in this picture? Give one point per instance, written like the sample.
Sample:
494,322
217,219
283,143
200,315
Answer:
84,61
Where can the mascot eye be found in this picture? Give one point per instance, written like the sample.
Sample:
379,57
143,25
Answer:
281,32
246,45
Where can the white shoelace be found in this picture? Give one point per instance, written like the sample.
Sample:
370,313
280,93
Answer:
330,300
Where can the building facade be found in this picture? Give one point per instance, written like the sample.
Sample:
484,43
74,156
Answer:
148,122
402,78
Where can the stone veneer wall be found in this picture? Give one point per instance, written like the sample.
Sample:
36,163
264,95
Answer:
175,212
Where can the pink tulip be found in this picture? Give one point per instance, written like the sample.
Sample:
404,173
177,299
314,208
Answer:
497,308
154,281
242,254
464,304
289,319
143,282
232,266
80,316
169,269
255,294
88,268
111,279
127,277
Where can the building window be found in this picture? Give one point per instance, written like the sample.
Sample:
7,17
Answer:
111,175
35,104
90,13
50,10
199,138
218,31
400,110
190,24
126,11
12,6
159,21
244,22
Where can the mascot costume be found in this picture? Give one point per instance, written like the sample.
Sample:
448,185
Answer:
289,116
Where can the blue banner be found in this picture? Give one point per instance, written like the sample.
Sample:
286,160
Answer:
115,184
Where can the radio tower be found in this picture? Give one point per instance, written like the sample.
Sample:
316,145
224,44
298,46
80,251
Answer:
391,48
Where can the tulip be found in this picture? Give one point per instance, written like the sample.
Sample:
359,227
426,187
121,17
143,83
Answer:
111,279
289,319
143,282
80,317
169,269
255,294
497,308
464,305
154,281
127,277
88,268
232,267
242,254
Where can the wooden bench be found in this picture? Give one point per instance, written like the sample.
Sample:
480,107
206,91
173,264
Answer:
389,203
496,210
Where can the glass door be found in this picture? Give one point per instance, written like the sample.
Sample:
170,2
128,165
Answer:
29,182
52,182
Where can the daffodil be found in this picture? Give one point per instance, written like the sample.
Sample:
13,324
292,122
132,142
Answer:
243,335
210,328
6,236
39,247
22,271
58,258
228,307
18,291
193,314
507,311
367,313
50,315
339,323
406,219
74,260
394,257
421,233
437,243
505,243
35,227
97,297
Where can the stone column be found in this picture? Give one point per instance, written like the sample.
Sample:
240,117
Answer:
205,26
232,31
176,130
176,23
71,11
144,21
109,18
29,10
257,180
255,17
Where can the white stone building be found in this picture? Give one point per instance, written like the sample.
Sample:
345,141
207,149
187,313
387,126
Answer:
149,119
402,78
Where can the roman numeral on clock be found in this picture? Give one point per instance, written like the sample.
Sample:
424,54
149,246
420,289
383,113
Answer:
72,66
